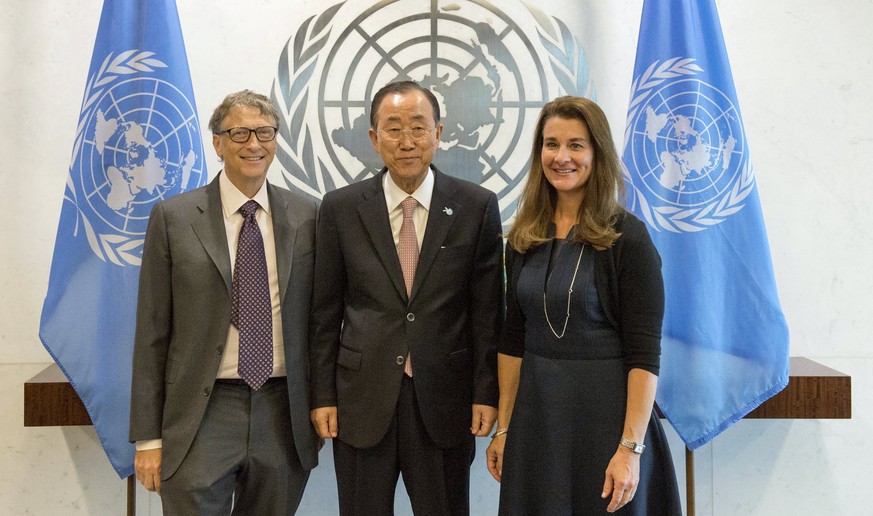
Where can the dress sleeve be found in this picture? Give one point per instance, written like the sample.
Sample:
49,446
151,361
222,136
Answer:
512,331
641,297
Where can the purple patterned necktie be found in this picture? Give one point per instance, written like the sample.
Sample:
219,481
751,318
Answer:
407,251
251,308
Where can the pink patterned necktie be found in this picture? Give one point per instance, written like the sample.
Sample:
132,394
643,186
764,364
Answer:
407,251
251,308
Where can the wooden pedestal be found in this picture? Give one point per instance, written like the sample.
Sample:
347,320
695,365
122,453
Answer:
50,400
814,392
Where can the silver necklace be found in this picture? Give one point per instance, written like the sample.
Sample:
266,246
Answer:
569,297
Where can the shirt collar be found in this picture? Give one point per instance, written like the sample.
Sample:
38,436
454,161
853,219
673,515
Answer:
232,199
394,195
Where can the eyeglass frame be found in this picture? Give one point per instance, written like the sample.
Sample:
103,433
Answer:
429,130
251,132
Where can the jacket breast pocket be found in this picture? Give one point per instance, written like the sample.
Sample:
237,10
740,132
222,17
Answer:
301,252
349,359
460,359
453,251
454,264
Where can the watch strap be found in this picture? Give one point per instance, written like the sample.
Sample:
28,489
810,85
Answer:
635,447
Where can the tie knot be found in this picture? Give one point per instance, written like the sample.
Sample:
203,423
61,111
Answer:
408,205
248,209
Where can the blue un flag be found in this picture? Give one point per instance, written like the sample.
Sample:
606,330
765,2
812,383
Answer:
137,142
690,178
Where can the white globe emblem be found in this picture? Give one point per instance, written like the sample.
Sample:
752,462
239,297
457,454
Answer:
685,154
140,145
491,69
688,145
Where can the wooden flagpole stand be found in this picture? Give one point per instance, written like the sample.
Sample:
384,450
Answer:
814,391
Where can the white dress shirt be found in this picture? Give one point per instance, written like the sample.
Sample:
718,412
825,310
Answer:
394,197
231,201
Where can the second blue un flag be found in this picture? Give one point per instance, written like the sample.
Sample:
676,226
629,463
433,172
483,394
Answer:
690,178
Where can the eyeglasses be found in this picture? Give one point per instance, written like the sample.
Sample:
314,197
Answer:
243,134
416,133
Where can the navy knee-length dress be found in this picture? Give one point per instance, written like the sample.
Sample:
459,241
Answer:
570,406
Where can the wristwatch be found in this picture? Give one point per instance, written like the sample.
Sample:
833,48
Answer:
634,447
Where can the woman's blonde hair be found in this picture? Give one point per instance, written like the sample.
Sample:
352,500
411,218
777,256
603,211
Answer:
604,191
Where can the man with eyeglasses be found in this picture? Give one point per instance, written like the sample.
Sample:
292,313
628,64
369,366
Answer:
405,319
220,395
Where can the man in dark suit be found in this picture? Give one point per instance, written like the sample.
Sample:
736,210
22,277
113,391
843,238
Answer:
220,392
405,319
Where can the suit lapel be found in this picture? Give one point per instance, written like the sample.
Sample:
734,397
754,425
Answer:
374,217
444,211
209,228
284,235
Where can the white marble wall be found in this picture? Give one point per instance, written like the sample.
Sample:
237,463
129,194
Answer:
803,71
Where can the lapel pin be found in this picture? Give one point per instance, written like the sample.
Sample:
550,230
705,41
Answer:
447,210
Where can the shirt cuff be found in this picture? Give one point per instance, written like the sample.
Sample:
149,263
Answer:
149,444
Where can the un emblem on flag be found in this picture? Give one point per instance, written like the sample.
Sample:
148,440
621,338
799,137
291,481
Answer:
492,69
685,156
137,143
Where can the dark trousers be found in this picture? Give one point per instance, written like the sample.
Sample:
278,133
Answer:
242,460
437,480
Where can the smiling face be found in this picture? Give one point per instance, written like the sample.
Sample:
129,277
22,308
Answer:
567,155
407,160
245,164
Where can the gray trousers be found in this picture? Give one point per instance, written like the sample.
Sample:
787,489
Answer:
242,460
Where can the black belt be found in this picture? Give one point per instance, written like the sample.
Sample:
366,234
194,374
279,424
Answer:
240,381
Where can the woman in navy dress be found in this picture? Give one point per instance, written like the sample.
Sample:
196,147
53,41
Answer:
580,349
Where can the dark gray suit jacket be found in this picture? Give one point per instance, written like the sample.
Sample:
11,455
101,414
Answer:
183,316
363,324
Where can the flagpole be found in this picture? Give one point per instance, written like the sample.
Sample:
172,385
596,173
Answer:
689,481
131,495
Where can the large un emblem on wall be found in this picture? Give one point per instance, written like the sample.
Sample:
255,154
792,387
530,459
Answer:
491,68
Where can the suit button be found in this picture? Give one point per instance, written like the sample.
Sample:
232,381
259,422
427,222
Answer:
218,350
399,360
206,391
410,317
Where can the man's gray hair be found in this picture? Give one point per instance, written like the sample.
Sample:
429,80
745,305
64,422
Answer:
241,99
